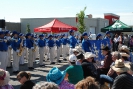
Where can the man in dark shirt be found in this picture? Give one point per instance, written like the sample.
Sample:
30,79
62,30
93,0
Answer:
107,61
124,80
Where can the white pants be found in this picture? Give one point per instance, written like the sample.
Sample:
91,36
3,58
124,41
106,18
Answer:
64,51
26,53
71,51
15,61
58,53
9,58
3,60
31,57
21,60
41,52
51,52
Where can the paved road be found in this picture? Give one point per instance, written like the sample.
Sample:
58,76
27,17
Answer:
38,74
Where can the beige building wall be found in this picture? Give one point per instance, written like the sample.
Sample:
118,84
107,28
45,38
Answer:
96,23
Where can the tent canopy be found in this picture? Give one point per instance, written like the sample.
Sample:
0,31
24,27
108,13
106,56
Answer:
117,26
55,26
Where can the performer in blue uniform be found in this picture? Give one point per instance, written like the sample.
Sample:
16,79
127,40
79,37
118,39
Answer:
51,45
64,47
22,41
15,46
41,45
3,51
85,43
9,41
58,44
73,42
29,45
99,37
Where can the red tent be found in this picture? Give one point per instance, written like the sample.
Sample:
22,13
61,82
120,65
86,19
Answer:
55,26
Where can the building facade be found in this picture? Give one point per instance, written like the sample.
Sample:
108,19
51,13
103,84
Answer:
93,25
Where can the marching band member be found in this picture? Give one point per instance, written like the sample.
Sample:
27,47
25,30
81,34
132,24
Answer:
99,37
64,48
37,48
85,42
21,40
58,44
73,41
41,44
51,44
9,41
15,46
33,38
29,45
3,51
46,48
107,36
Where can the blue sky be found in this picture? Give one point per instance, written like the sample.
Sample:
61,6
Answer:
13,10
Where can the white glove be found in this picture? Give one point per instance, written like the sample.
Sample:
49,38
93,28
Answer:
17,51
32,47
9,46
9,38
5,40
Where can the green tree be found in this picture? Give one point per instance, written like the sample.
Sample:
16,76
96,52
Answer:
80,21
28,28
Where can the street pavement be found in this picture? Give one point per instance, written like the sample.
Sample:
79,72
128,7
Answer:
38,74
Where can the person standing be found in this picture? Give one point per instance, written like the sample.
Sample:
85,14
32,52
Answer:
3,51
64,47
9,41
116,42
58,44
72,41
41,45
85,43
29,45
16,46
99,37
21,40
51,44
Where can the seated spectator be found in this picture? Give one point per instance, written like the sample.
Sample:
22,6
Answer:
88,83
80,58
57,76
130,66
46,85
4,80
125,57
125,49
88,66
123,80
107,61
75,51
24,78
74,73
109,78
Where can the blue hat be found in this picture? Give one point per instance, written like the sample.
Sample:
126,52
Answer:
84,34
70,31
98,35
55,75
21,34
50,36
107,32
1,32
14,32
7,32
41,35
28,34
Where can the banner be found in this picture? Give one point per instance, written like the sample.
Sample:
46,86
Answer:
96,46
